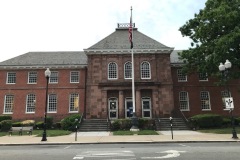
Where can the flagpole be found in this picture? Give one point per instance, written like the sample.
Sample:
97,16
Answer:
133,85
134,118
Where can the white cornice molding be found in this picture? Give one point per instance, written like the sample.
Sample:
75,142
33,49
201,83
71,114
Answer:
128,51
44,67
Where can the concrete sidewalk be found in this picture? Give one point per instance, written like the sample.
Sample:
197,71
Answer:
107,137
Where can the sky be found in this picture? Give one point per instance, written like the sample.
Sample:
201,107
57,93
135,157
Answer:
74,25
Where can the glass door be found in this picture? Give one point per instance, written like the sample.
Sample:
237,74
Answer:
128,108
113,108
146,108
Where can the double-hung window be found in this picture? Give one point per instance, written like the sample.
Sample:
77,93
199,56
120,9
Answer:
128,70
205,100
74,77
52,103
11,78
74,102
181,76
32,77
184,101
31,103
53,77
225,94
203,77
8,104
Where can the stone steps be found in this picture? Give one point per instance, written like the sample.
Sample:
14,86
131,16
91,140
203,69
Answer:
90,125
164,124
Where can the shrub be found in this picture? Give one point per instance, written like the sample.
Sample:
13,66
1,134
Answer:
6,125
49,122
226,122
115,125
57,125
17,124
69,123
146,123
3,117
206,121
39,125
28,123
237,121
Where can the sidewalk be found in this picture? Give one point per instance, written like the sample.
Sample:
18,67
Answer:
107,137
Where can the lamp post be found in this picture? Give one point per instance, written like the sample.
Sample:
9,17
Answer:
224,68
171,125
44,136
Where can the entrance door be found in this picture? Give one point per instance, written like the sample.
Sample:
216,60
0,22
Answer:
113,108
146,108
128,108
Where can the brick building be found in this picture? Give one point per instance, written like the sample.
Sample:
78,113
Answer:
97,82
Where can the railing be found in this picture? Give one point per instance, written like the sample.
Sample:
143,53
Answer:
125,25
185,119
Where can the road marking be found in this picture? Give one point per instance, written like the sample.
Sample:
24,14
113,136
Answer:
105,154
67,147
170,154
183,145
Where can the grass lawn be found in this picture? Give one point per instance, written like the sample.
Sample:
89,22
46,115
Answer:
38,133
220,130
141,132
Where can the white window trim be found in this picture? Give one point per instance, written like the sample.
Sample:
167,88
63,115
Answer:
69,111
150,104
8,77
113,99
125,70
71,77
48,104
29,77
208,100
187,102
116,71
203,80
27,104
181,73
149,70
5,105
49,81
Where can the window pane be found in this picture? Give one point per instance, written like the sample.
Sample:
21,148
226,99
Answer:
205,100
53,77
112,70
181,76
128,70
74,77
11,77
74,102
203,76
31,103
52,103
145,70
225,94
8,105
183,100
32,77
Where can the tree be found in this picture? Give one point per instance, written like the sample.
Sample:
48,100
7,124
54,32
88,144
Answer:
215,34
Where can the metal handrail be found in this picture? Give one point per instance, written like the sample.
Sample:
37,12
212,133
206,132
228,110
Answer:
186,120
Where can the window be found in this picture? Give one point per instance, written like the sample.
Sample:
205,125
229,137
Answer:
54,77
112,70
52,103
113,108
205,100
145,70
74,77
74,102
225,94
203,77
8,104
32,77
128,70
183,101
146,108
31,103
181,76
11,78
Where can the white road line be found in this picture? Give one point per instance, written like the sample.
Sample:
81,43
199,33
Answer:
67,147
183,145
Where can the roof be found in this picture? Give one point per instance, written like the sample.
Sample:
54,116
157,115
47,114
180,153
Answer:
118,40
175,58
47,59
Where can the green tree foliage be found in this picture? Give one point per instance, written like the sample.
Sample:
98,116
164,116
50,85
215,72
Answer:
215,34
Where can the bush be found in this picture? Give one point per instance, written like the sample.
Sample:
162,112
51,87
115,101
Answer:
57,125
17,124
39,125
146,124
237,121
6,125
126,124
226,122
49,122
28,123
69,123
206,121
115,125
3,117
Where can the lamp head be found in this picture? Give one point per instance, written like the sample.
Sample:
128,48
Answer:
47,73
228,64
221,67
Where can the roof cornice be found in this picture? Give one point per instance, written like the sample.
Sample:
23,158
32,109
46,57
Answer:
127,51
44,67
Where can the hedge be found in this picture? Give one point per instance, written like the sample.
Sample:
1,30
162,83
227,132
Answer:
6,125
126,124
69,123
206,121
3,117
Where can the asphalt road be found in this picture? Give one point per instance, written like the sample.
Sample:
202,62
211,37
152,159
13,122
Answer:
178,151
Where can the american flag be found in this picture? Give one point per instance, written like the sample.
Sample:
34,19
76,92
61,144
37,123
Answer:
130,30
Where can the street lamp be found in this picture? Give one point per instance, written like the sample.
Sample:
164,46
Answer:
44,136
224,68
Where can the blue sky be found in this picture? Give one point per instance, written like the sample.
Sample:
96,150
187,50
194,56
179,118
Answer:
74,25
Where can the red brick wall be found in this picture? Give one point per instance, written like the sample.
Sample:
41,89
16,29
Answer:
193,86
21,89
